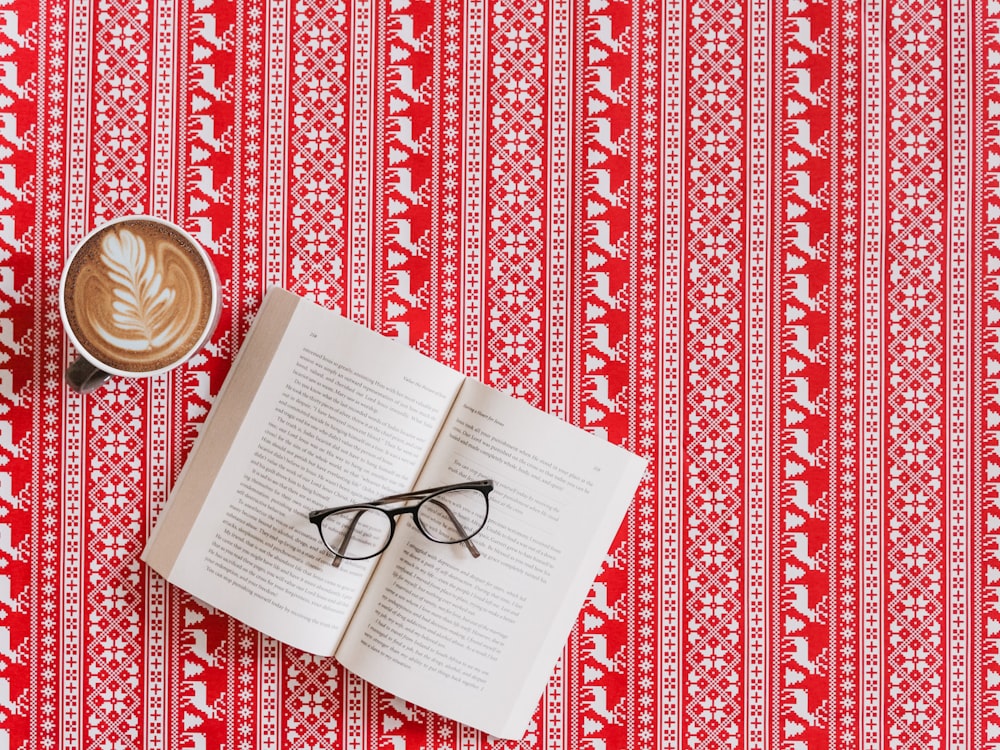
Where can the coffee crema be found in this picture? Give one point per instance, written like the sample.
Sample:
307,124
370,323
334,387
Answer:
138,296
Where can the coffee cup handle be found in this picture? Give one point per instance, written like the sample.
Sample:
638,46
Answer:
83,377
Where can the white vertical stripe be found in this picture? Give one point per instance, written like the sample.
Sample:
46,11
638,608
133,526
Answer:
72,500
554,710
157,682
277,170
73,580
557,288
355,721
959,347
671,232
162,192
78,172
872,505
359,204
270,688
559,201
474,143
468,738
359,194
758,275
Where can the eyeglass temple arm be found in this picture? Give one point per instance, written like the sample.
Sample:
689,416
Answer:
458,525
347,540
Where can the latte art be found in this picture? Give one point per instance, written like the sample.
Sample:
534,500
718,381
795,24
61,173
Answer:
138,297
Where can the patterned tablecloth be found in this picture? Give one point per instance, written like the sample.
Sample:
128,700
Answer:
755,242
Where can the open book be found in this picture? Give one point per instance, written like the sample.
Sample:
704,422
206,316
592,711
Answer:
319,412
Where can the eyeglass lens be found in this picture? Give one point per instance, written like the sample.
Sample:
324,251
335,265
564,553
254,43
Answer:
452,516
357,533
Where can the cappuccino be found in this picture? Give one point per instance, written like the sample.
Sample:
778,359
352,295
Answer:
138,296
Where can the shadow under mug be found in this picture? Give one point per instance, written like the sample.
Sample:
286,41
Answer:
132,264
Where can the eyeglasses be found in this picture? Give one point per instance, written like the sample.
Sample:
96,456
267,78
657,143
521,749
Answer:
451,514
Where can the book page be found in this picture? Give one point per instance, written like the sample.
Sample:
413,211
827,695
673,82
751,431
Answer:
343,416
475,639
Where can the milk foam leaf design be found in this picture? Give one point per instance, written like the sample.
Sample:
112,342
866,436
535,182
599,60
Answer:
142,306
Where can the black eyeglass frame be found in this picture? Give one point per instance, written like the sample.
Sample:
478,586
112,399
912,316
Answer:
485,486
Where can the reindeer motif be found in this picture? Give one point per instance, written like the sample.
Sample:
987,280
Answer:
801,138
800,602
405,85
800,185
799,653
403,185
401,286
604,138
602,187
199,700
798,444
799,706
598,703
799,549
205,132
10,28
205,28
599,392
204,182
601,237
799,497
8,181
598,651
7,545
12,706
602,290
8,126
800,396
798,287
601,31
801,85
9,79
403,134
801,33
601,83
6,650
598,601
800,344
204,79
802,242
601,341
7,598
200,649
203,232
404,28
403,236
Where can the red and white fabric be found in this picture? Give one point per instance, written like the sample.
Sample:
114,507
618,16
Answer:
756,242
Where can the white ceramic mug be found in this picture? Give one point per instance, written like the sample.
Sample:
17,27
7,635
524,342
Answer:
138,297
